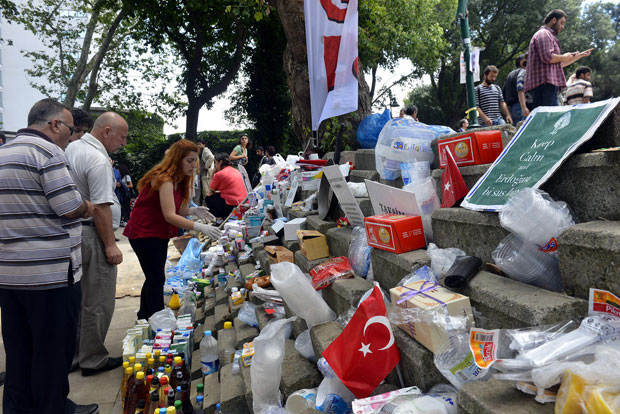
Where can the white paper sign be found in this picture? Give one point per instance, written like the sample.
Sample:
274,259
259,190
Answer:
347,201
246,179
290,197
277,226
390,200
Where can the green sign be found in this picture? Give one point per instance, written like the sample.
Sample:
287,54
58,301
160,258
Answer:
548,136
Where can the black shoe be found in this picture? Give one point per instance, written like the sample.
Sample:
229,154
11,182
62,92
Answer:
112,363
87,409
2,375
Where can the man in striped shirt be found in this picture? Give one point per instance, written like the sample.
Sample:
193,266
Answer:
578,87
40,263
489,99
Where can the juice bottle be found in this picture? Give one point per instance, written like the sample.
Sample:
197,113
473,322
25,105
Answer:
128,374
125,366
153,402
140,407
136,393
162,361
171,398
150,364
163,391
137,367
178,406
174,303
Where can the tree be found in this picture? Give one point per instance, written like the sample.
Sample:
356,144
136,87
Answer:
208,41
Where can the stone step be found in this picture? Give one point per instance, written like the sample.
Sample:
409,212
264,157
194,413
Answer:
221,297
345,156
339,240
244,332
246,269
417,362
306,265
315,223
476,233
297,371
342,294
505,303
589,256
322,335
364,204
494,397
365,159
263,259
247,386
222,314
358,176
230,267
211,393
226,341
389,268
578,182
232,392
292,245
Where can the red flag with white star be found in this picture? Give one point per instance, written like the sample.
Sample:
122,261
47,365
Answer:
365,352
453,187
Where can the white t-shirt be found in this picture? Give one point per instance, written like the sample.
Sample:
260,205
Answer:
93,174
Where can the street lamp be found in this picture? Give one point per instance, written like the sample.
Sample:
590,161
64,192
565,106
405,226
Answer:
393,102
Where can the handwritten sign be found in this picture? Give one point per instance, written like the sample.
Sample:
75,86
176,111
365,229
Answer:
549,135
347,201
391,200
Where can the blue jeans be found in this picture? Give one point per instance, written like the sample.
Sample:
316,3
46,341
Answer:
516,114
544,95
499,121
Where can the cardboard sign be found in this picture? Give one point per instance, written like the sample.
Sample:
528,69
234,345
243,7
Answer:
347,201
390,200
290,197
549,135
246,179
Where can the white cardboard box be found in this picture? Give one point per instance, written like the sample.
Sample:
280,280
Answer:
290,228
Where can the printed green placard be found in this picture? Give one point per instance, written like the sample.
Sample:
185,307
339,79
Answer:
548,136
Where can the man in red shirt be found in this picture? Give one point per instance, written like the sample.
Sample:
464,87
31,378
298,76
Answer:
545,75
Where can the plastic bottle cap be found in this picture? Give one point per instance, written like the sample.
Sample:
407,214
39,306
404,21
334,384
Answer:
177,404
178,360
132,359
164,380
141,404
227,325
163,411
149,378
178,388
140,375
160,369
129,370
137,367
157,411
149,355
151,361
162,359
200,388
200,398
208,333
171,410
125,364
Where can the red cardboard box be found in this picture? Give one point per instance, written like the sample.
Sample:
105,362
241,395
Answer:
395,233
471,148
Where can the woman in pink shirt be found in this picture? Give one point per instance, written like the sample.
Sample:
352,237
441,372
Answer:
227,186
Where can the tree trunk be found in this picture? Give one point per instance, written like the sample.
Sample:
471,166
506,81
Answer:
191,119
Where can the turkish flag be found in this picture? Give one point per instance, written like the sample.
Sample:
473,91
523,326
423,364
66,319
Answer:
453,186
365,351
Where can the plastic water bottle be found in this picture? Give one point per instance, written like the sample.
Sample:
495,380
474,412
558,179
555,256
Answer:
209,357
218,410
198,406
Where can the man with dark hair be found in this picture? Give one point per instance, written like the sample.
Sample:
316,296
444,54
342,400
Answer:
489,99
578,87
412,111
83,123
40,263
514,95
545,76
2,138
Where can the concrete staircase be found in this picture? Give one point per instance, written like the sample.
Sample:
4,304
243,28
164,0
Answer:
589,256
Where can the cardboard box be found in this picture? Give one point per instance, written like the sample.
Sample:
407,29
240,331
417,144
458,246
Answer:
395,233
313,244
429,295
278,254
471,148
291,227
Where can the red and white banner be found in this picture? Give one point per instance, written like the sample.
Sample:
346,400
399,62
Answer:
331,40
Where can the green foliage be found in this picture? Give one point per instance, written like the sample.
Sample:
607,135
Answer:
333,126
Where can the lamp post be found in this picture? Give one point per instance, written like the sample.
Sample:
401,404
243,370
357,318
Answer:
461,15
393,102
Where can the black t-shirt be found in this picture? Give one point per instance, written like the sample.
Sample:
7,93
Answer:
510,88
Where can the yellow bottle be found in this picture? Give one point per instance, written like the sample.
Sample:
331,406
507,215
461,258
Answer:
174,303
171,410
150,364
125,366
137,368
127,373
132,360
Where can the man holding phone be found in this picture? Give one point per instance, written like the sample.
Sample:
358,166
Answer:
545,76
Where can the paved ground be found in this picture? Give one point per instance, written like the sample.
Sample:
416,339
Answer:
104,389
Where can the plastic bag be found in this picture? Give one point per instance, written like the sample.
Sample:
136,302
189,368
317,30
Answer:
247,314
422,273
299,295
330,270
442,259
332,396
188,305
266,368
534,216
191,256
370,127
358,189
428,200
164,320
414,171
303,345
525,262
359,252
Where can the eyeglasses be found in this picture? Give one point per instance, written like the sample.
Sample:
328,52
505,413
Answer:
71,129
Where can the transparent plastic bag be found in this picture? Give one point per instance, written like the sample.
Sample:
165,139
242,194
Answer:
534,216
522,260
191,256
422,273
359,252
247,314
164,320
428,201
442,259
455,361
188,305
299,295
415,171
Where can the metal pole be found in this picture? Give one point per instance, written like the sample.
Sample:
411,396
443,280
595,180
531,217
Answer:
461,15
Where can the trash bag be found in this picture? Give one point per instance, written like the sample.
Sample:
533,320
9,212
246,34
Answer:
534,216
191,256
266,368
404,139
299,295
422,273
370,127
164,320
359,252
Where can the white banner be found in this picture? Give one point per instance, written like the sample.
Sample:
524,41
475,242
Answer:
331,40
474,64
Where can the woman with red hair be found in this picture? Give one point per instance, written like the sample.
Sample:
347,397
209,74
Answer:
158,213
